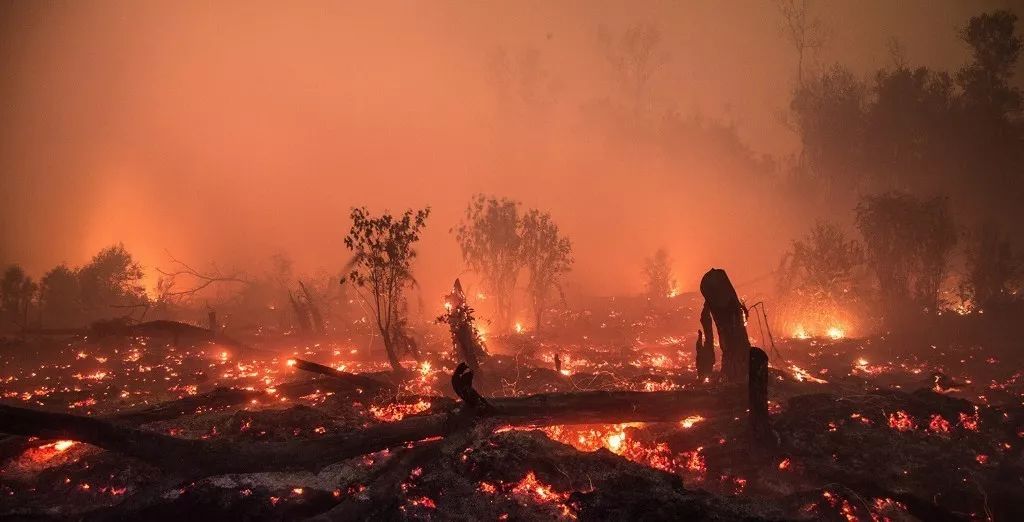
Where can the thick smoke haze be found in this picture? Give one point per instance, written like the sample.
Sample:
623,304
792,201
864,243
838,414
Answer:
230,131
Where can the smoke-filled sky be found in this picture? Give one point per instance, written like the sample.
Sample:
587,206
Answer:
229,131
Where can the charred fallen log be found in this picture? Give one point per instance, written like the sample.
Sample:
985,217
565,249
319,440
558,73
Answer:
360,382
209,457
212,400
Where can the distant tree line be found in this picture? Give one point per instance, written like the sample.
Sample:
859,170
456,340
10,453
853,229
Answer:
920,130
110,284
900,144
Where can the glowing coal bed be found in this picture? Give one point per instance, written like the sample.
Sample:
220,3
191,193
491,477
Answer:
867,430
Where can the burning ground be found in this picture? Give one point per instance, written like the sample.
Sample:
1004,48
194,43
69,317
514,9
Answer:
867,429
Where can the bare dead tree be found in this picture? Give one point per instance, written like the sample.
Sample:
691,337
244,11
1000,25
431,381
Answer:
804,32
200,280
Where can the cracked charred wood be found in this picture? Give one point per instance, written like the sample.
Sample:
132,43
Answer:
361,382
724,306
213,456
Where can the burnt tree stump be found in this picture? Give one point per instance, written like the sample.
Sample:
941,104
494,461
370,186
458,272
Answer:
757,393
724,307
459,317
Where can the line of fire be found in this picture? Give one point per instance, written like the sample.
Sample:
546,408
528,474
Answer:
482,264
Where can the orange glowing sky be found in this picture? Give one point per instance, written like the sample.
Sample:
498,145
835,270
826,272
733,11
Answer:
229,131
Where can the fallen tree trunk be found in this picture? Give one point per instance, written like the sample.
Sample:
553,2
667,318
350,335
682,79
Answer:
362,382
213,457
189,405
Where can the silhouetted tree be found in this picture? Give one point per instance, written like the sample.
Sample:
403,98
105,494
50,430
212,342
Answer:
908,243
802,29
909,138
995,49
16,293
991,129
992,268
829,115
548,256
381,267
60,298
111,280
491,243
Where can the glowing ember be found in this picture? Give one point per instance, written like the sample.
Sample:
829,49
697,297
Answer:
784,465
536,490
62,445
690,421
424,368
519,328
396,412
425,502
938,424
694,461
970,422
802,375
48,451
901,421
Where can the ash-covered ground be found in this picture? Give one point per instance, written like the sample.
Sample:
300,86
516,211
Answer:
879,428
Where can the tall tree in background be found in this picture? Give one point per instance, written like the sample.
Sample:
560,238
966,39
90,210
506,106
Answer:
658,275
60,298
113,279
381,267
909,131
489,237
548,256
16,294
802,29
992,268
635,59
935,238
992,131
908,243
829,115
995,48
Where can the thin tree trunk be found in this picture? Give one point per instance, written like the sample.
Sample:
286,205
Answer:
396,365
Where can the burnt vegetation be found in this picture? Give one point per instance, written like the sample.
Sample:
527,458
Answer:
874,374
